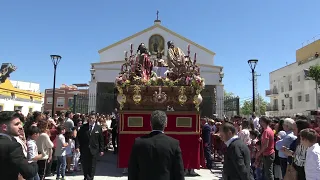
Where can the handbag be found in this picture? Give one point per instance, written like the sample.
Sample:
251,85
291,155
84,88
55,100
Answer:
291,173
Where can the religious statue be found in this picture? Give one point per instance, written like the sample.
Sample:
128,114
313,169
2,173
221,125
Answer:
142,51
176,56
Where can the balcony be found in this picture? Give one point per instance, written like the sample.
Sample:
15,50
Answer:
272,92
272,108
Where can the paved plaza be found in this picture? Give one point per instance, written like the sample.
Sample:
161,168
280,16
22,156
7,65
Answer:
107,170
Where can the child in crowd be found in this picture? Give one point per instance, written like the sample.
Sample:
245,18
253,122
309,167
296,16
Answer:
254,139
61,152
258,164
252,147
32,154
69,151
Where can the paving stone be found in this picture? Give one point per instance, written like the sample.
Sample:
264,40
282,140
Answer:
107,170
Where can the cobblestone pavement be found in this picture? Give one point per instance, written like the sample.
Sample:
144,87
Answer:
107,170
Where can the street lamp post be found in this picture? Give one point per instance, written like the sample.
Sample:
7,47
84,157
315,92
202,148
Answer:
253,63
221,74
93,97
55,60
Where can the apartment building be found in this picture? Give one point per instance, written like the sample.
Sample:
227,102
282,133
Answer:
290,91
63,97
19,95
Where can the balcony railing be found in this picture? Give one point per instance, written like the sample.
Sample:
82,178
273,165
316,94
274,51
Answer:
272,92
272,108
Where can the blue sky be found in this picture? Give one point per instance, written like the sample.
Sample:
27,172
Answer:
270,31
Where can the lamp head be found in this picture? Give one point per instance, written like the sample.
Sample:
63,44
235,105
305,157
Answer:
221,74
92,71
253,63
55,59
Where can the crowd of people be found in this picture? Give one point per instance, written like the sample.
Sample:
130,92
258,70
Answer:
275,148
55,145
38,146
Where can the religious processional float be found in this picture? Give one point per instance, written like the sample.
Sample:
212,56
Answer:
149,82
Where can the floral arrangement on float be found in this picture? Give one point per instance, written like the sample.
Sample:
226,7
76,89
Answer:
180,84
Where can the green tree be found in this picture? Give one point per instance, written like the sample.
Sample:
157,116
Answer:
261,107
314,73
228,95
231,101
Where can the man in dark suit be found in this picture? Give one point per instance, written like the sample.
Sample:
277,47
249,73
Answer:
236,164
156,156
206,137
12,159
90,144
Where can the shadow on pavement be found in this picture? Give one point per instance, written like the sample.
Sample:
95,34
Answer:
106,166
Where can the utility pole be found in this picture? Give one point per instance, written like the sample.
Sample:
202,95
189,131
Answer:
257,93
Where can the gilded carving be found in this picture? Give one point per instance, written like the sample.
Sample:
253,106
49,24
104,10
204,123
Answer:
137,94
182,96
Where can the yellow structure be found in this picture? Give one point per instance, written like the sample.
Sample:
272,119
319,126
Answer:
12,98
303,54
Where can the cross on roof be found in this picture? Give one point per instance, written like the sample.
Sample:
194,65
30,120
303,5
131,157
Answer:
157,15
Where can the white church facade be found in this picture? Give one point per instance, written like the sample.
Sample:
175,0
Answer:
107,69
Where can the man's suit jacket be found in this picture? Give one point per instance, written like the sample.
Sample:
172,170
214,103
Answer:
13,161
90,142
156,156
236,164
206,134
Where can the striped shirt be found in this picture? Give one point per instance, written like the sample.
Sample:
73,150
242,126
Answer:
300,155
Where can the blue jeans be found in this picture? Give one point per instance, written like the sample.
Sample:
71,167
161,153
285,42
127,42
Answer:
61,166
35,178
259,174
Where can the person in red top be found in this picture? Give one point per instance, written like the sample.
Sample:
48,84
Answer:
267,148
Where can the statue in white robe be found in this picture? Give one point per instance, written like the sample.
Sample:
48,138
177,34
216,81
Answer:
176,56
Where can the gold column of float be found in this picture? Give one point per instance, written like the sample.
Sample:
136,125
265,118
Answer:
121,98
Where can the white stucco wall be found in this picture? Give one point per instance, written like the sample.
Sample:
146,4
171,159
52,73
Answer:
8,105
289,73
117,53
29,86
107,72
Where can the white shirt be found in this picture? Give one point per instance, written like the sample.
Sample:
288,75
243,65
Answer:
44,145
230,140
256,123
312,164
60,149
108,122
32,149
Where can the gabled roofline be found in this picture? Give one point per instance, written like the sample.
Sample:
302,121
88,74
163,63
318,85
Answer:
151,28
